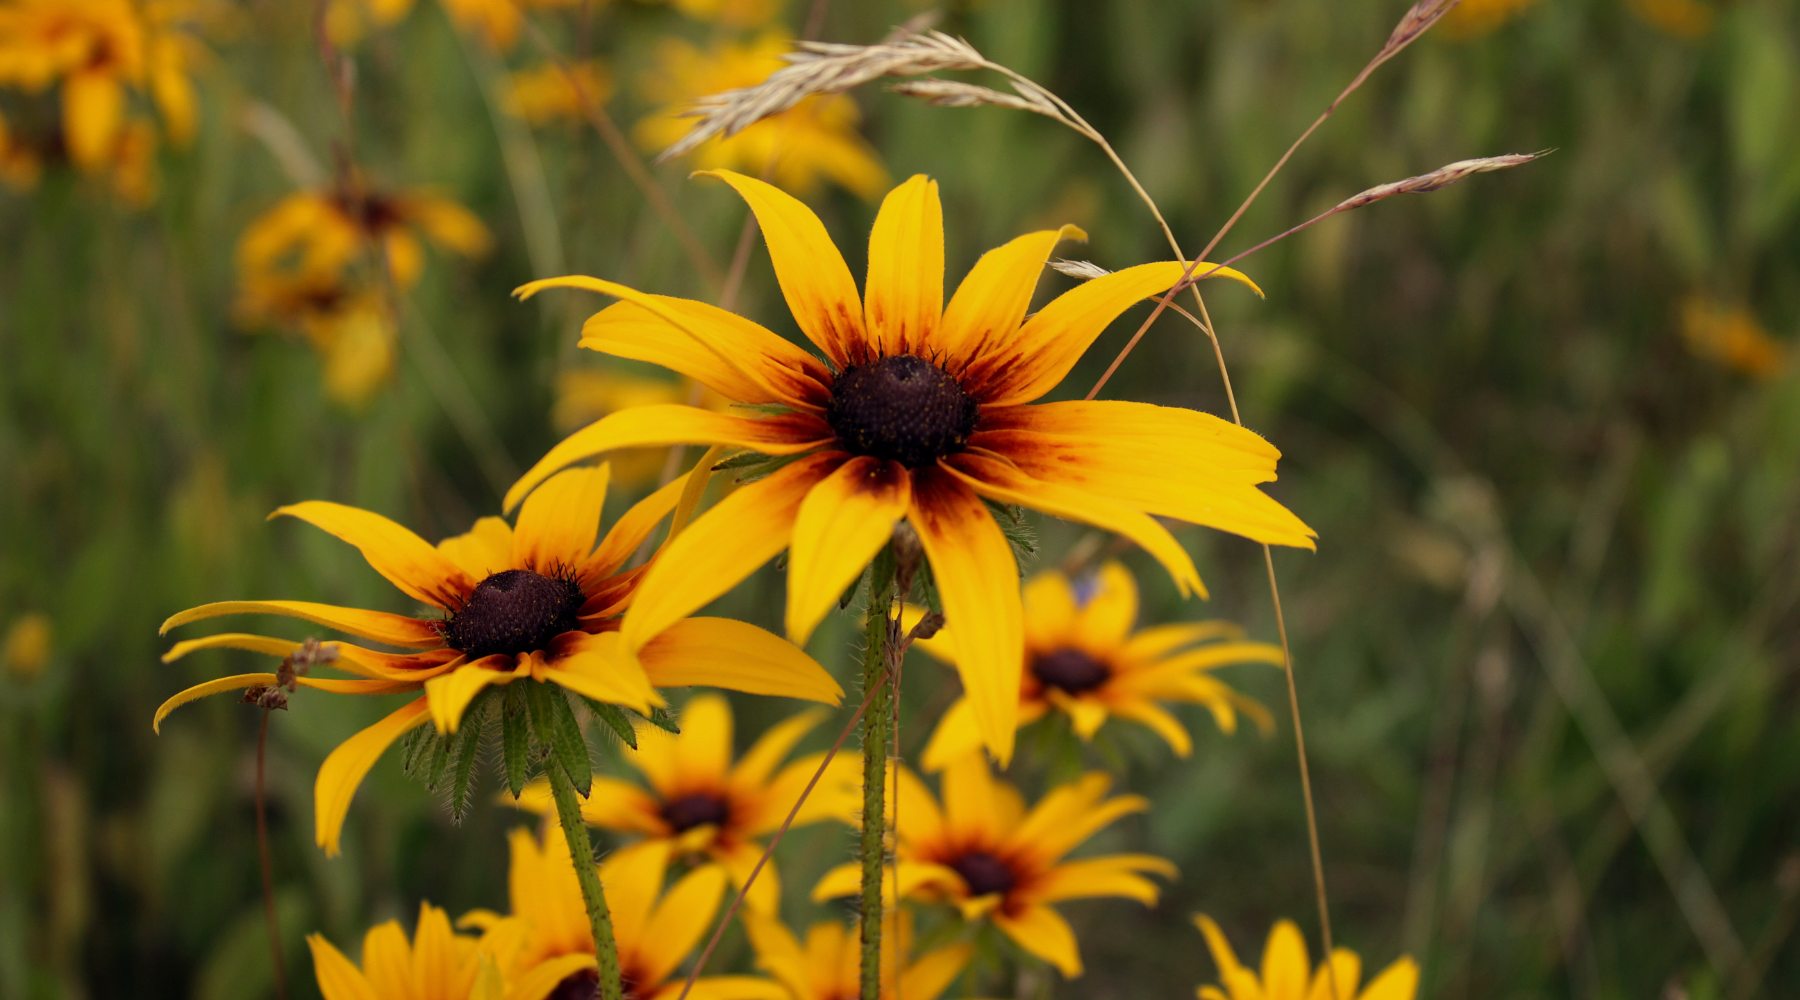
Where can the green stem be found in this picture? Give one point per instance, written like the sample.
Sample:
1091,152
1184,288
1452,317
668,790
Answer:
568,812
874,826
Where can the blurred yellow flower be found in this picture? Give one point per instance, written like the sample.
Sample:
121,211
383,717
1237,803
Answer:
1472,18
1285,968
730,13
353,331
986,855
654,929
828,965
543,93
700,804
1083,659
319,233
100,51
585,395
27,646
1731,336
536,602
1685,19
347,21
813,141
438,964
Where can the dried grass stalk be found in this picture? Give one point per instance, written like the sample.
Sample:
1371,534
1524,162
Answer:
956,94
1086,270
1443,176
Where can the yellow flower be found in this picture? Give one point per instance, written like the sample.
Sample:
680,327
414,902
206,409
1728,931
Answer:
536,601
543,93
347,21
1684,19
816,139
1083,659
731,13
438,964
1731,336
27,646
1285,968
654,930
700,804
353,331
986,855
828,965
1472,18
319,233
919,412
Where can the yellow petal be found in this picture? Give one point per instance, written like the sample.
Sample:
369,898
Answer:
1159,639
736,366
1043,932
405,257
1056,337
394,630
680,917
971,801
641,426
843,522
1000,481
1112,875
93,108
1072,813
339,979
1223,956
758,762
599,667
733,539
904,296
990,303
702,753
542,979
1086,715
817,284
1108,615
448,224
720,652
348,658
1285,966
940,647
435,964
484,550
955,737
779,953
1399,981
387,960
632,527
932,974
1160,721
973,567
559,521
236,682
408,561
921,821
633,876
1337,979
449,694
345,768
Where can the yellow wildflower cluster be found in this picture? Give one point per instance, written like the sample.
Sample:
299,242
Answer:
1732,337
108,63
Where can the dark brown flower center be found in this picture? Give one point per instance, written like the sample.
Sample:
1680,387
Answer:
514,611
904,408
983,872
582,984
1070,670
697,809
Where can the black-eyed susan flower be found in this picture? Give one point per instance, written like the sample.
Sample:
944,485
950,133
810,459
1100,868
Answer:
353,330
1083,659
815,140
655,930
918,411
738,14
1731,336
543,93
1287,972
537,601
437,964
985,854
319,233
828,965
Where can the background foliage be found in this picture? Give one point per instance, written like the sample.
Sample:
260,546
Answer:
1551,449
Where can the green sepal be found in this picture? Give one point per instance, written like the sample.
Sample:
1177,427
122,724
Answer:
661,719
515,737
927,585
553,723
1019,532
741,460
615,720
850,591
881,571
749,472
466,744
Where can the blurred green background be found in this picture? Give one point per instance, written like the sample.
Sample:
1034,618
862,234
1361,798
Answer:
1544,422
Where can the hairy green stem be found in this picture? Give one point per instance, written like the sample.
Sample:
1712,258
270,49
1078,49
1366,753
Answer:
581,851
874,816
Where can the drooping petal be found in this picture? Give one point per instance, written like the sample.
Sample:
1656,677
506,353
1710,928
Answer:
675,926
341,655
450,693
236,682
629,330
408,561
669,423
1111,875
702,754
483,550
1043,932
843,522
339,978
1000,481
1143,431
698,339
559,521
932,974
1086,713
1159,720
903,300
728,543
337,685
973,566
990,303
1156,640
1050,342
599,667
379,626
630,530
93,106
720,652
1223,956
346,766
814,278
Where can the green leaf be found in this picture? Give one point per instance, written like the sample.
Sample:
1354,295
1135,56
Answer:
554,725
515,737
850,591
927,585
881,571
752,471
615,720
661,719
467,743
1019,532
